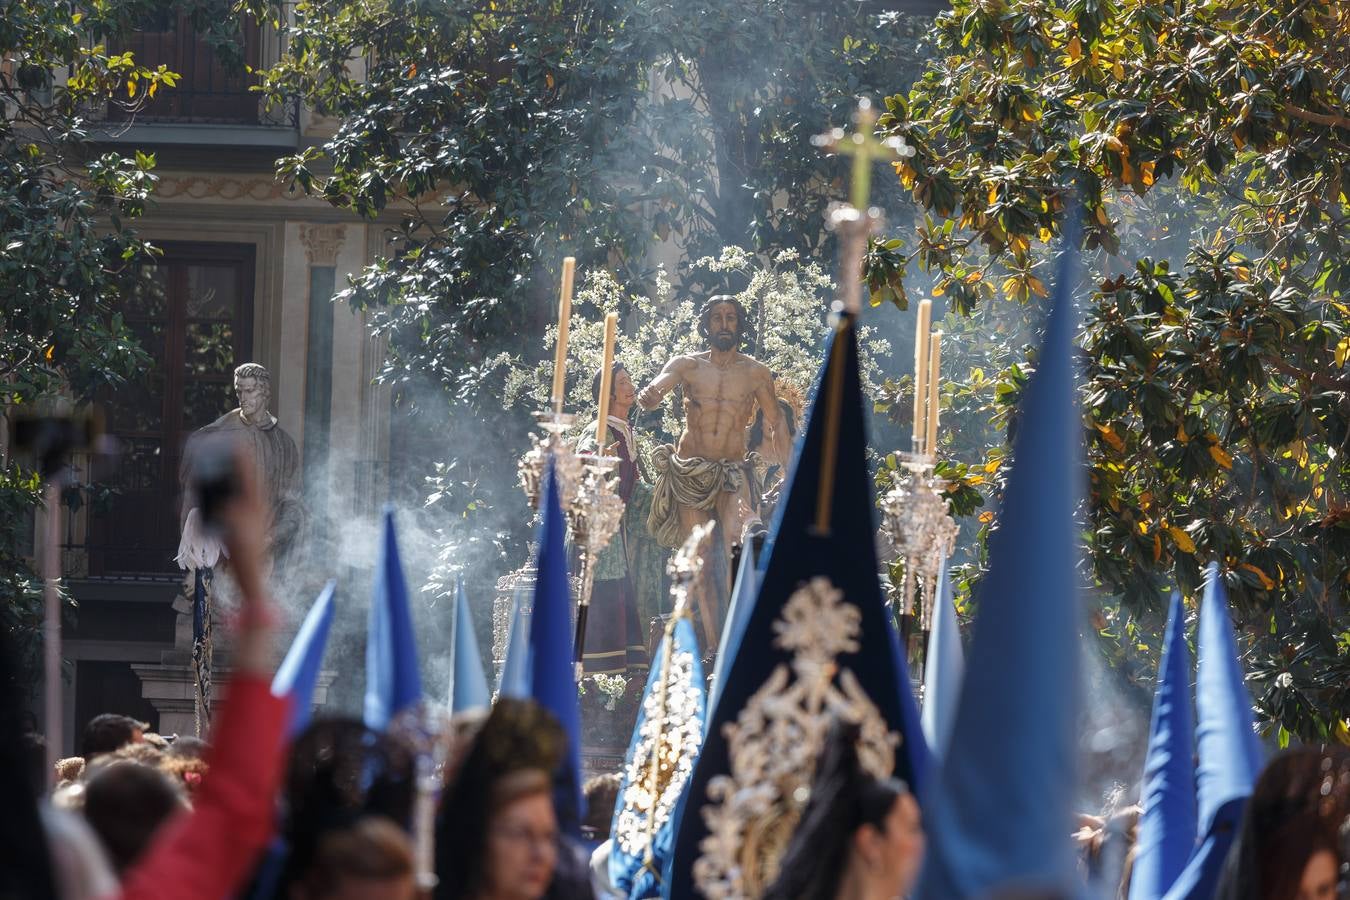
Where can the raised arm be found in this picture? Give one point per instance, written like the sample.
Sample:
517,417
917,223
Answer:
669,379
776,436
207,853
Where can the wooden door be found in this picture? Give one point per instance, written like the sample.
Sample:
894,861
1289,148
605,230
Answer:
195,319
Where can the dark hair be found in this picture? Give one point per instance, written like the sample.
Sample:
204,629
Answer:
1293,813
613,377
601,793
744,332
844,798
109,732
372,848
25,863
339,772
125,803
518,737
35,755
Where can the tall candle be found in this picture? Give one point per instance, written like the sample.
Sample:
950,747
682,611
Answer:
934,380
921,374
564,319
606,383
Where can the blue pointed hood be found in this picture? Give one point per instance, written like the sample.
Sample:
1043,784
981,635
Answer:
1002,812
1229,754
553,674
811,576
738,610
943,669
299,672
468,682
1167,826
392,680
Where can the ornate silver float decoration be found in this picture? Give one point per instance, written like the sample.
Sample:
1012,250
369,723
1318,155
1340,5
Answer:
774,743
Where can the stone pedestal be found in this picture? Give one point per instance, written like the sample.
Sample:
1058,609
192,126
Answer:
171,689
171,684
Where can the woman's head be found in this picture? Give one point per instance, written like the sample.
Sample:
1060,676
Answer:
1287,847
855,827
889,842
622,394
522,845
497,833
340,774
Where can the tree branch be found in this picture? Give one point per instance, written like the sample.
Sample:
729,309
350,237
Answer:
1308,115
1321,379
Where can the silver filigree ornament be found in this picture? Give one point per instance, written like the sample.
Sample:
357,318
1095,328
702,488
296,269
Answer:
775,741
567,466
672,729
593,516
920,531
668,743
586,492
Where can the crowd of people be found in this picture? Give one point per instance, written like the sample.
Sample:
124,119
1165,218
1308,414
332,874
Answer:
328,814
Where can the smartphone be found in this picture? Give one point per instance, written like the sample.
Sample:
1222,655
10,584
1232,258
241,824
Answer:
214,481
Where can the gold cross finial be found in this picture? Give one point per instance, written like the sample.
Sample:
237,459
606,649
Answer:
855,223
865,148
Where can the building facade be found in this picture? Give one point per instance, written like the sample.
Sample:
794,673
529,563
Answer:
248,272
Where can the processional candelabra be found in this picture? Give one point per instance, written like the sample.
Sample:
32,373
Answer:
920,531
589,502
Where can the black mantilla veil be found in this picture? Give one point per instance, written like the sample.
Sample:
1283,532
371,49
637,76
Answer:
843,799
518,736
339,772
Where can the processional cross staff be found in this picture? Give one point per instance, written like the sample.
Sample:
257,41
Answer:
915,512
854,221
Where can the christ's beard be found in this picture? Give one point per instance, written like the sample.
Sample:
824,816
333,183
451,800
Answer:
725,340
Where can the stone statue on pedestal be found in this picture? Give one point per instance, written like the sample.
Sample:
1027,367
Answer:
277,463
278,468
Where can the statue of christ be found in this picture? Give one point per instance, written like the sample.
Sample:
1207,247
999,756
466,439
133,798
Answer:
707,475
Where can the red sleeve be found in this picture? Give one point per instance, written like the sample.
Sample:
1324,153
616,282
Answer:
207,853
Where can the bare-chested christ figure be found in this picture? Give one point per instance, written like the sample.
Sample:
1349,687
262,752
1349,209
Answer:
706,476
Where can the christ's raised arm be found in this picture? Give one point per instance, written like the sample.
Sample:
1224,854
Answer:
663,384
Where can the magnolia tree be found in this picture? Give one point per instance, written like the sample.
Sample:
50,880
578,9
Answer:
1203,148
69,258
